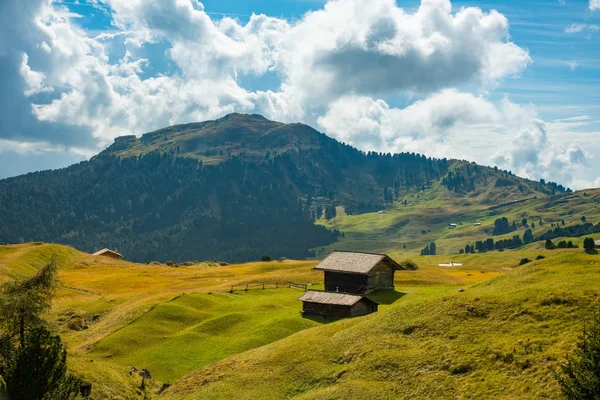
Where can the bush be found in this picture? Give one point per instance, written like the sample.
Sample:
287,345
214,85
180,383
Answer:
524,261
266,258
549,245
579,377
540,257
409,265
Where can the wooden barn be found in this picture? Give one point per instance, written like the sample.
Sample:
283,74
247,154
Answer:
360,273
108,253
336,305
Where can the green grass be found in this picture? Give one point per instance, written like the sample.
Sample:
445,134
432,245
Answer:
500,338
195,330
405,230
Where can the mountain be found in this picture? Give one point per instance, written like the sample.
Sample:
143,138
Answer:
231,189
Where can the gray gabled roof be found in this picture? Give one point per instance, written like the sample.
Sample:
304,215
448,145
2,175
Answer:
341,299
104,251
353,262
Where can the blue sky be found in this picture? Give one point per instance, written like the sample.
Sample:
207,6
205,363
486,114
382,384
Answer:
508,83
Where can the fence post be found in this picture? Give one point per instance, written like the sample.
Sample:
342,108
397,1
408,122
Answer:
276,285
246,287
263,286
231,289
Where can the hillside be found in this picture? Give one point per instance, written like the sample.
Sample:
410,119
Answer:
233,189
499,339
181,324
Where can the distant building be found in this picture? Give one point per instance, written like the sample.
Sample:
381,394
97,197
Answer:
108,253
597,244
452,226
358,273
336,305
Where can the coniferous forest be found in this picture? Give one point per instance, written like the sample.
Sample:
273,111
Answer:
229,190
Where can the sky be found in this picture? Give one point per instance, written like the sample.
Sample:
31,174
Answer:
510,83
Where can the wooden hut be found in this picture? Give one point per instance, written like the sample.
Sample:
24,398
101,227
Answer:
108,253
336,305
360,273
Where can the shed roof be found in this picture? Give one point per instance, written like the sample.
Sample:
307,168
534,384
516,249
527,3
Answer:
342,299
353,262
105,251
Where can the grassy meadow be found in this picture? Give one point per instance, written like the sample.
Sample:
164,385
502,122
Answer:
500,338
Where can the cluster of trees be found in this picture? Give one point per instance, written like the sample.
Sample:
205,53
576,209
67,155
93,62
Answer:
482,246
33,361
550,245
502,226
429,250
578,230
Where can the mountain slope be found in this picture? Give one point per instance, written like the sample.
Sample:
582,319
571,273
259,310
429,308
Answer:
499,339
231,189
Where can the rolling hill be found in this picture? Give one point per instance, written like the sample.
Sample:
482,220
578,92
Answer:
500,338
237,188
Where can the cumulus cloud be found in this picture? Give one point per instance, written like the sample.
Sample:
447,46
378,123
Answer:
458,125
594,5
65,90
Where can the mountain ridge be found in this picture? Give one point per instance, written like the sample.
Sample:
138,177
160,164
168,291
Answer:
231,189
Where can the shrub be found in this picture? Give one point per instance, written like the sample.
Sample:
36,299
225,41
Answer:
579,377
524,261
409,265
540,257
549,245
266,258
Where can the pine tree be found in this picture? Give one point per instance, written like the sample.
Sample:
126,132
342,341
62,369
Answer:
579,377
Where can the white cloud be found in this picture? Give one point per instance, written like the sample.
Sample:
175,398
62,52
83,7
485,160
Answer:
460,125
573,65
34,81
594,5
577,28
331,66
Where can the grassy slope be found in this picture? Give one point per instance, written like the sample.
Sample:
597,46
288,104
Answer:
145,321
499,339
434,209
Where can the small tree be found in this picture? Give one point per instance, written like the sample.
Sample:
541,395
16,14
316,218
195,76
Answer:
583,219
266,257
22,302
528,236
589,245
579,377
549,245
38,370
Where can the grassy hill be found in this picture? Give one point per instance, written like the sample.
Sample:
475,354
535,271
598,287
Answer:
510,326
403,230
499,339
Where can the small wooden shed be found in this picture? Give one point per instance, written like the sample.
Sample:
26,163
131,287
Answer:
108,253
336,305
360,273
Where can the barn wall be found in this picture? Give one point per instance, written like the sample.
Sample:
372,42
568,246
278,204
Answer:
110,255
326,310
381,277
345,282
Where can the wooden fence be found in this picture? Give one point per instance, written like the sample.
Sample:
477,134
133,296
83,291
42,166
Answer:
265,285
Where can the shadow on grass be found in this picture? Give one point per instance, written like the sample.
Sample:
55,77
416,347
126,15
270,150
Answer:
386,296
320,320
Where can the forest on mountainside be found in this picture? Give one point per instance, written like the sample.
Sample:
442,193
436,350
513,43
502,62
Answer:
233,190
